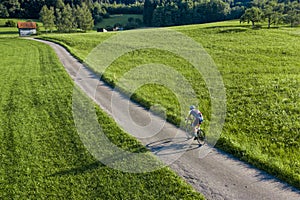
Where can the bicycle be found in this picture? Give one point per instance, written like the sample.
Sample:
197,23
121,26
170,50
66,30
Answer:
201,137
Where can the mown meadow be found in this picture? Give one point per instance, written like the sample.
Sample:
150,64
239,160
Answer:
261,73
42,156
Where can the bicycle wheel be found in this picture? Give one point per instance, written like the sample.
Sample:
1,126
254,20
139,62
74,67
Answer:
201,137
188,130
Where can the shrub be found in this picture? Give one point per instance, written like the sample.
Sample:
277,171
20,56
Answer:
10,23
98,19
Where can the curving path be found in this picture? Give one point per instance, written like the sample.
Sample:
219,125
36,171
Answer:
213,173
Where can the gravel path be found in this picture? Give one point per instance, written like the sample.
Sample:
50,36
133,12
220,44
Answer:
213,173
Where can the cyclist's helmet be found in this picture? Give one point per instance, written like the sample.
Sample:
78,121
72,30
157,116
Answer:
192,107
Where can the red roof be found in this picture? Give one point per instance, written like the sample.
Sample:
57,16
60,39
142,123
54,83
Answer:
26,25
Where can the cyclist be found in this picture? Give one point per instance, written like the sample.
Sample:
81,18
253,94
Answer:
198,119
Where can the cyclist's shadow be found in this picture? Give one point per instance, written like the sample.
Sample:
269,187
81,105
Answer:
169,146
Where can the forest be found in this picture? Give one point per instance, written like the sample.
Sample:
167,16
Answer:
174,12
159,13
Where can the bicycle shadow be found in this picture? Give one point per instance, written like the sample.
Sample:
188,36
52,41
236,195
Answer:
169,146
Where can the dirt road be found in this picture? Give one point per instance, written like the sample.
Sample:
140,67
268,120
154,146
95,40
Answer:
216,175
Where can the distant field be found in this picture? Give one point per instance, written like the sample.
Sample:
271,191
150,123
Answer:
261,72
114,19
8,31
41,153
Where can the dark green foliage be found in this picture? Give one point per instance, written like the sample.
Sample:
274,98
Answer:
31,9
169,13
133,23
187,12
99,12
65,19
273,11
10,7
148,12
10,23
84,18
59,4
109,28
3,11
292,13
124,9
252,15
47,17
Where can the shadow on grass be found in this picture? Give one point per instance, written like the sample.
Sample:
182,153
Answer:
79,170
233,30
239,28
229,26
114,158
8,33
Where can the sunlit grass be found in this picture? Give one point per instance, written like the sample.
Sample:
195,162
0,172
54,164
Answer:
261,73
41,153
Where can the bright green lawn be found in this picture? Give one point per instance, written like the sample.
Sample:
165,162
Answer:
261,72
41,154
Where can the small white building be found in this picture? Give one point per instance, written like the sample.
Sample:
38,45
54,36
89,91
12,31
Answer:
26,28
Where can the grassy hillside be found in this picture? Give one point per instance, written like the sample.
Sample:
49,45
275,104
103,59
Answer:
261,72
42,156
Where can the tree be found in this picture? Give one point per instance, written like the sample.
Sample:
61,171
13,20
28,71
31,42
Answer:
65,21
99,12
47,17
31,9
84,17
216,10
50,3
12,7
59,4
158,17
253,15
292,13
149,7
272,12
3,11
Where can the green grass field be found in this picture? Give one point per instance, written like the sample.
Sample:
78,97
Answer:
8,31
261,72
42,156
114,19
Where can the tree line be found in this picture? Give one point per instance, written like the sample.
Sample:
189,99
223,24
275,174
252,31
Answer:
180,12
66,18
273,11
30,8
155,12
67,15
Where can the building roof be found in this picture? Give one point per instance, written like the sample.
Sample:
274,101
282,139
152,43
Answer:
26,25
